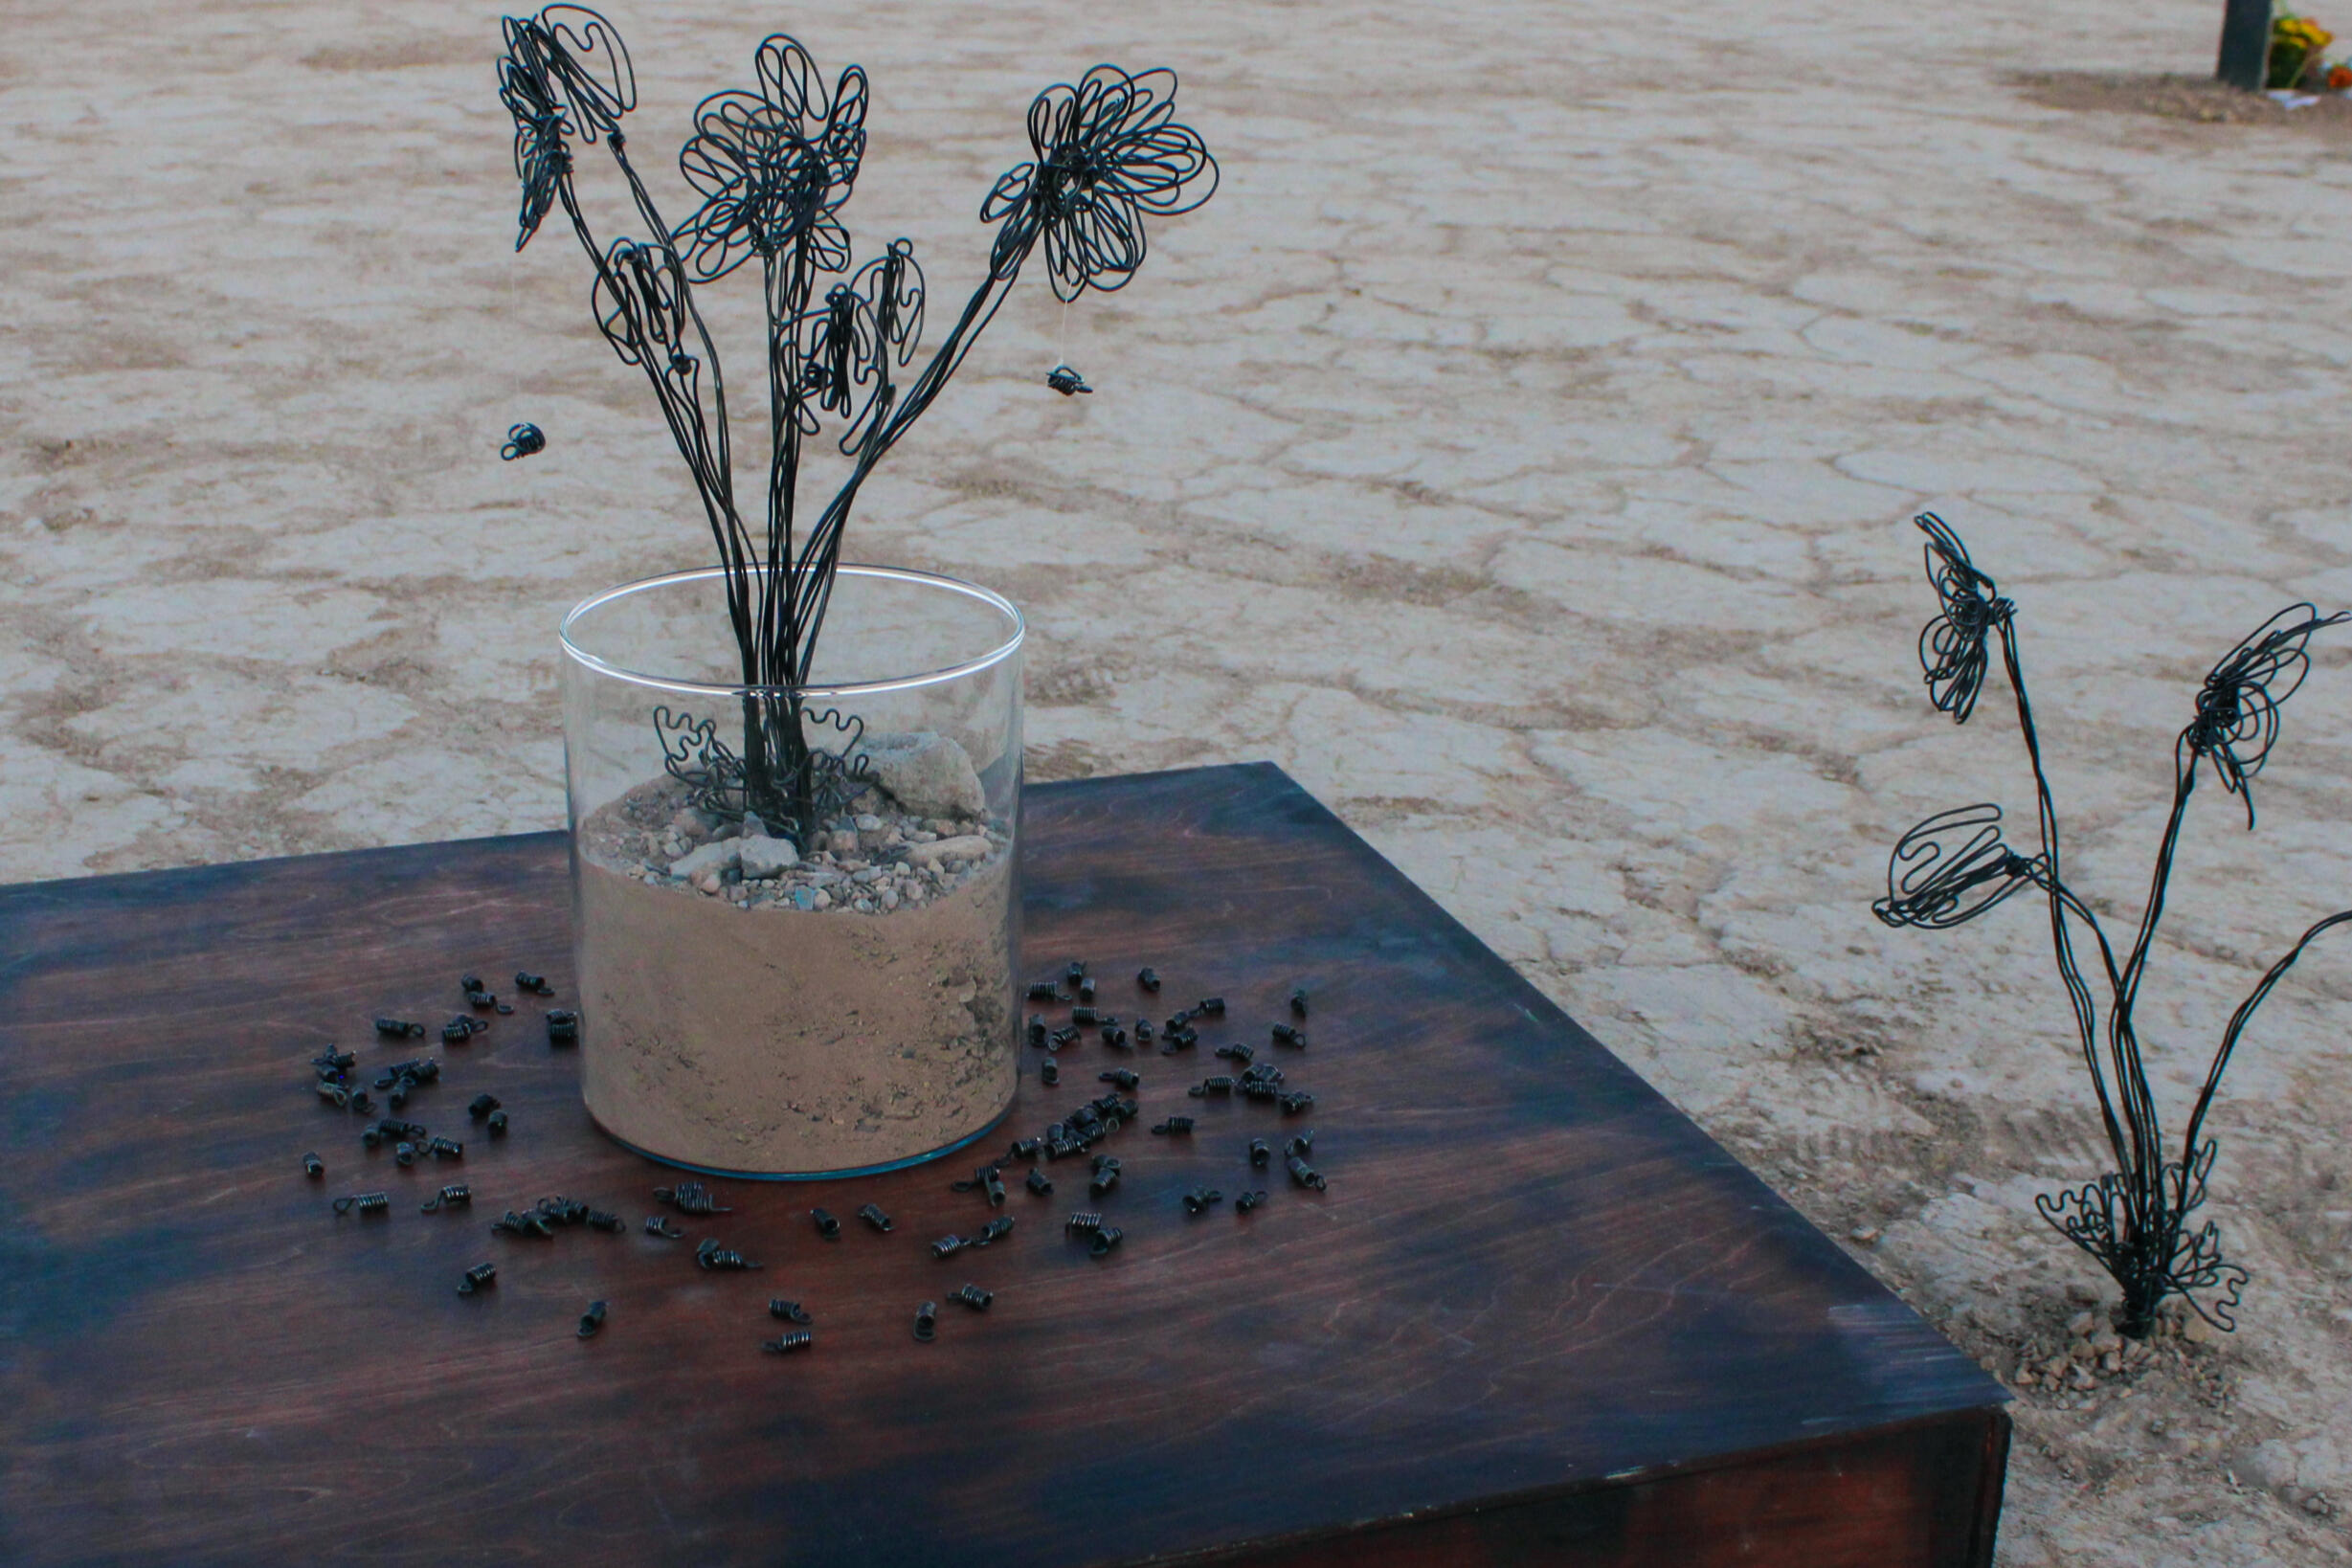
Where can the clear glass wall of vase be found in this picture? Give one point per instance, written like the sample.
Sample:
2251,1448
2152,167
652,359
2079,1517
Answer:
795,912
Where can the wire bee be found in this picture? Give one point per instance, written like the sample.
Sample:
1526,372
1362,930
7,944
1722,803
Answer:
365,1203
663,1226
455,1196
785,1344
313,1167
477,1277
690,1197
973,1297
927,1321
522,441
873,1216
1200,1200
1248,1202
788,1311
712,1255
591,1319
1067,381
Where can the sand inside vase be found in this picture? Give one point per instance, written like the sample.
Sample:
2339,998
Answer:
769,1038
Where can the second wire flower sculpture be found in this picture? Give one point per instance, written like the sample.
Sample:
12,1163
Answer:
773,167
2135,1220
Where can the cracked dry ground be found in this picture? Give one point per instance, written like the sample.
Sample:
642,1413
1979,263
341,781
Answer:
1518,449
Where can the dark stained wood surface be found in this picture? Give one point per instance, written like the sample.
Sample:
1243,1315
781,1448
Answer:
1539,1316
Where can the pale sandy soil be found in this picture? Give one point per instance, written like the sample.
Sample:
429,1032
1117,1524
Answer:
1519,449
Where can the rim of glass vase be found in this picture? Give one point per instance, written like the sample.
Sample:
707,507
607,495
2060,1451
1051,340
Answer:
845,688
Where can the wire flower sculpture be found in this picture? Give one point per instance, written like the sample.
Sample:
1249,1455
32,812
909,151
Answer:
773,167
2137,1220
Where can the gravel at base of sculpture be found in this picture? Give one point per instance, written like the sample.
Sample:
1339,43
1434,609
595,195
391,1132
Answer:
850,1010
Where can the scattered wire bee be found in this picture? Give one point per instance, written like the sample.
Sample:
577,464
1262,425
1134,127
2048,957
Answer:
477,1277
1067,381
365,1203
1298,1003
973,1297
1113,1035
535,984
1121,1077
1296,1102
1289,1035
947,1246
1174,1124
1247,1201
1221,1084
663,1226
1050,1072
1046,991
690,1197
927,1321
313,1167
496,1124
712,1255
827,1226
1148,978
1305,1175
1038,1183
1083,1222
788,1311
398,1028
786,1343
522,441
1099,1246
996,1230
607,1221
591,1319
1212,1007
873,1216
563,1026
1200,1200
455,1196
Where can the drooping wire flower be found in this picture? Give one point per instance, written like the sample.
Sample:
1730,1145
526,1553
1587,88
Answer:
1951,869
1106,151
868,324
1952,646
541,160
2237,709
565,74
639,306
775,166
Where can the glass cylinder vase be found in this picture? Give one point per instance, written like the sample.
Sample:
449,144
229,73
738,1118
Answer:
795,911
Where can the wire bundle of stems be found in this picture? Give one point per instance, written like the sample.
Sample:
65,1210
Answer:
2137,1218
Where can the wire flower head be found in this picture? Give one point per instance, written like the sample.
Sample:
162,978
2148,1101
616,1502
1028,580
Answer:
1951,869
868,324
1952,646
772,167
1106,152
564,73
541,160
2237,709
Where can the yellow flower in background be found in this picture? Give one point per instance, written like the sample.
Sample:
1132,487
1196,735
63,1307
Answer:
2301,33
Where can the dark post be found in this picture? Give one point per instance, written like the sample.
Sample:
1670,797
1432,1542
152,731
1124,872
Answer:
2245,44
